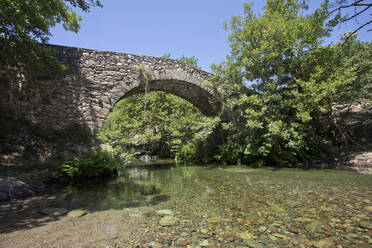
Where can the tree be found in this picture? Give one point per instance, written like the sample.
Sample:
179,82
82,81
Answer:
25,25
172,127
342,80
258,80
285,96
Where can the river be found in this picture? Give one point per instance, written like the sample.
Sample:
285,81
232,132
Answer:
163,204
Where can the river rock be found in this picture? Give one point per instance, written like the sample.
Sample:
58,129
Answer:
303,220
54,211
154,244
313,227
204,243
365,224
262,229
13,188
368,208
215,220
245,235
281,236
164,212
168,221
77,213
324,243
252,243
111,230
276,207
293,230
146,212
182,242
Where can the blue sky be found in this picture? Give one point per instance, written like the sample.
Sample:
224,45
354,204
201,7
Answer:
147,27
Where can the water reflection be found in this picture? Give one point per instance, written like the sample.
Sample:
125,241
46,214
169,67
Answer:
228,206
138,173
133,187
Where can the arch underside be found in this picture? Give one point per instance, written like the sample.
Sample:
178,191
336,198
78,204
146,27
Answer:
192,93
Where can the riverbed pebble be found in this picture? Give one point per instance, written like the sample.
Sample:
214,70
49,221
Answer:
164,212
168,221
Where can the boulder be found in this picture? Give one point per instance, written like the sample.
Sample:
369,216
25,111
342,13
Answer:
11,188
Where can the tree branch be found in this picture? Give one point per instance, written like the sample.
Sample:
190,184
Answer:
362,26
355,4
357,13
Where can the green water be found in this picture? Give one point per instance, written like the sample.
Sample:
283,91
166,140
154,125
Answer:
240,205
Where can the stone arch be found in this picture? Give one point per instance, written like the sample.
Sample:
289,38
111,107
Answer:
94,82
183,81
188,91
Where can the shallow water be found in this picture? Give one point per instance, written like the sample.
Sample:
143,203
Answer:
233,206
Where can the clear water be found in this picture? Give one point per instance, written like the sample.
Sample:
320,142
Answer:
219,189
237,206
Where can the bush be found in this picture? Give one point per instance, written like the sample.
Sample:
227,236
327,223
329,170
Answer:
100,163
230,153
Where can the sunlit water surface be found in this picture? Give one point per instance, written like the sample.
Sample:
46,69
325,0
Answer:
307,204
237,206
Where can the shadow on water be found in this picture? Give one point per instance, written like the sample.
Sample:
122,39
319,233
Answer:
132,188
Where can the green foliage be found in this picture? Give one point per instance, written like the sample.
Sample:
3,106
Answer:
101,162
230,153
169,126
342,79
193,61
26,24
279,83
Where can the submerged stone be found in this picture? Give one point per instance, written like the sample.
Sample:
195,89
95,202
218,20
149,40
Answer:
154,244
215,220
77,213
262,229
365,224
276,207
146,212
204,243
246,235
314,227
164,212
368,208
303,220
54,211
252,244
182,242
281,236
168,221
324,243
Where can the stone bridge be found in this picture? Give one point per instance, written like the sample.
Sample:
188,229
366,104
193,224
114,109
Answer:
94,82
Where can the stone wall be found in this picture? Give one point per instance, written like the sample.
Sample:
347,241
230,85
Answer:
94,82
